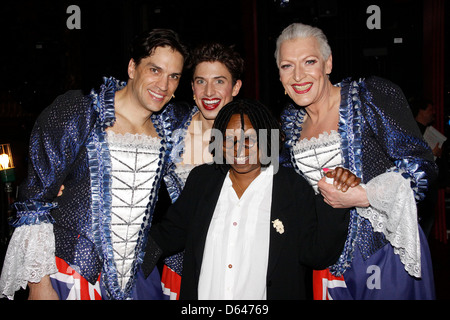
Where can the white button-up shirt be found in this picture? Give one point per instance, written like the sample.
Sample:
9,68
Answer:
236,251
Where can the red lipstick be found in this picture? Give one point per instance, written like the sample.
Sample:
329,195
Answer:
302,87
211,104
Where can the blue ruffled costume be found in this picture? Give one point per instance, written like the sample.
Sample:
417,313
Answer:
378,134
68,147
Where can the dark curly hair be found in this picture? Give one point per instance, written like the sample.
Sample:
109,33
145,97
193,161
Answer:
214,51
146,43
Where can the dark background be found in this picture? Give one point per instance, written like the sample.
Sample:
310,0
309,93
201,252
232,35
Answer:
41,58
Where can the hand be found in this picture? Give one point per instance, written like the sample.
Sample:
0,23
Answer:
343,178
60,191
353,197
437,152
42,290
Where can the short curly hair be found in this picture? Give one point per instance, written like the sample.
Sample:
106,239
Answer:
215,51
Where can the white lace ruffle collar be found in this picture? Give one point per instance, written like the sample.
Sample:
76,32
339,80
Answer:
323,138
133,140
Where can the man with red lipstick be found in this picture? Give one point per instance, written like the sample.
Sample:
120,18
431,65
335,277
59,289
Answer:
365,126
214,84
216,80
109,149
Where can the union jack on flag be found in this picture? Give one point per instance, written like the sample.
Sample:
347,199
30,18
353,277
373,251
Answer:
70,285
323,281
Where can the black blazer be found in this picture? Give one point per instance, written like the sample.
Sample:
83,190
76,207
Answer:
314,233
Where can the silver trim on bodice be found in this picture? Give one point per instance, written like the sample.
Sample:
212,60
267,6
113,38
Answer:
315,154
134,160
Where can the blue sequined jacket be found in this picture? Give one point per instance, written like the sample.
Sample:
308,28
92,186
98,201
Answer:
378,134
68,147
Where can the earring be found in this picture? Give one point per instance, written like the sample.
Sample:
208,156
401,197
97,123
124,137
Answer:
193,97
173,96
285,93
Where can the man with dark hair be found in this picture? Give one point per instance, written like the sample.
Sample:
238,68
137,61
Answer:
109,149
216,71
423,111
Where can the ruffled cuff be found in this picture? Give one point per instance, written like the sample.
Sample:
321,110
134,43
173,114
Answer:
30,256
33,212
412,170
393,212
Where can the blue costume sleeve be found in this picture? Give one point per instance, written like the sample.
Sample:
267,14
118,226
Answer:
58,134
391,122
173,182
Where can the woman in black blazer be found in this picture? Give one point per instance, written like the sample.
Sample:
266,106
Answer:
302,230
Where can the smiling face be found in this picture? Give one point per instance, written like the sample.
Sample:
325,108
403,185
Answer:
303,71
213,88
155,79
241,152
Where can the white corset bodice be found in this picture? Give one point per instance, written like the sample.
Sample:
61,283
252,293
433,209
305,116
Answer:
134,160
315,154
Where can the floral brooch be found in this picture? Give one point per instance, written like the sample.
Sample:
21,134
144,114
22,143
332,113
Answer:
278,225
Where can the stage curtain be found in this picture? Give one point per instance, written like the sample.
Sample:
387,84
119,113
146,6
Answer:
433,68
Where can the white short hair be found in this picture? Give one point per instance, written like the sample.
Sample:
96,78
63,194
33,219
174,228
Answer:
299,30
